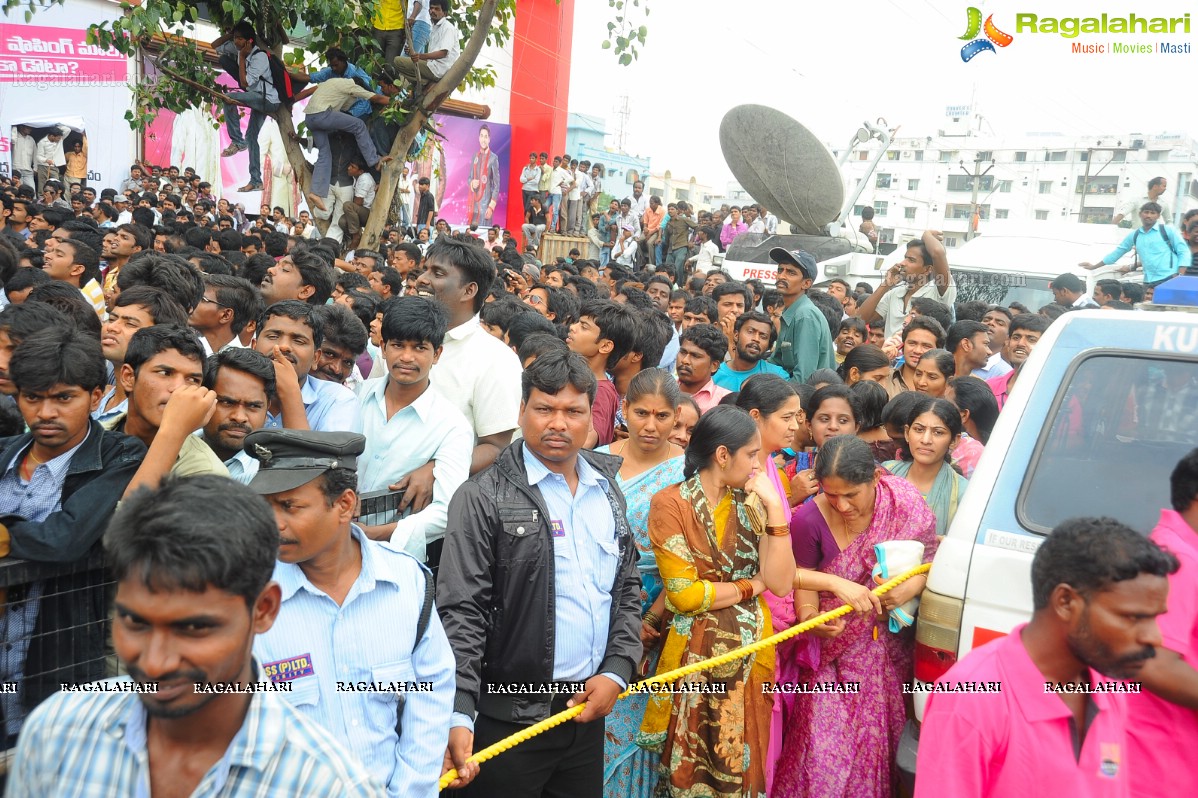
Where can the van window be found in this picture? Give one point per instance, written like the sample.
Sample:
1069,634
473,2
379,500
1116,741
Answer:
1002,288
1117,428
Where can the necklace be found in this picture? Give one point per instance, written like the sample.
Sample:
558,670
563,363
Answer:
33,457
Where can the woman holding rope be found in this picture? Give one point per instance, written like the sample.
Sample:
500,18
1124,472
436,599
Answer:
841,745
721,540
651,464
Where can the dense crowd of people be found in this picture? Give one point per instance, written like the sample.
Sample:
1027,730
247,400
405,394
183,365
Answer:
599,469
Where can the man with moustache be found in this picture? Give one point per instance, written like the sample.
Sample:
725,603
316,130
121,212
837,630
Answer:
192,563
244,383
754,337
1057,724
59,484
804,340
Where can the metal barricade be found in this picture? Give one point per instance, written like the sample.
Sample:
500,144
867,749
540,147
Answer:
55,629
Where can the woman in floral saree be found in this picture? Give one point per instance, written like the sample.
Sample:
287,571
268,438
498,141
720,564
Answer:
717,555
651,464
843,745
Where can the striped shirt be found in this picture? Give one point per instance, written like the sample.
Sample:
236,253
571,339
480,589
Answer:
93,745
94,294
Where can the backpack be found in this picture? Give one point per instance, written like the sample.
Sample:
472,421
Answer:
286,85
1168,241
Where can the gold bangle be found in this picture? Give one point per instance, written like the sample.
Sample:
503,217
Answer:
812,606
777,530
799,577
651,618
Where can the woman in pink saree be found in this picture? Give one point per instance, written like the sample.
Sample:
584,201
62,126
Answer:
842,745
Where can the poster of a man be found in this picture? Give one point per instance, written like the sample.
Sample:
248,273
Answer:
484,180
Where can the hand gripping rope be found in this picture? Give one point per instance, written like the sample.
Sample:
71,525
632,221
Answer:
492,751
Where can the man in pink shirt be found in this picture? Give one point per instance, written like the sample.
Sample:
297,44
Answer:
1163,719
1024,334
1097,589
733,227
701,350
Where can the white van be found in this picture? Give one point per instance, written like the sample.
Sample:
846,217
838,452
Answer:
1104,408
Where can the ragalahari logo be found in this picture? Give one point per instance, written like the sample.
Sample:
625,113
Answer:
986,44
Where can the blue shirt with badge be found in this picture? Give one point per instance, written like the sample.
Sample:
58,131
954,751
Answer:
348,674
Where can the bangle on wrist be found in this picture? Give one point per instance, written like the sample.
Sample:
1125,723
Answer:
651,618
745,587
777,530
799,577
812,606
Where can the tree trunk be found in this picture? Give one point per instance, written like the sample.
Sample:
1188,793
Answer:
434,95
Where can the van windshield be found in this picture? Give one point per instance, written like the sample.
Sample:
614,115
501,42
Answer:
1001,288
1117,429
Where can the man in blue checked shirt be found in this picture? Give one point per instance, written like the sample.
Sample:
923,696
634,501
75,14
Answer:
357,638
1162,252
192,561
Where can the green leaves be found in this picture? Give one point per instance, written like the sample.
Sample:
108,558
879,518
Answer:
624,38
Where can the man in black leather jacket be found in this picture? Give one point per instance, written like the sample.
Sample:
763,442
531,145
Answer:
59,484
539,595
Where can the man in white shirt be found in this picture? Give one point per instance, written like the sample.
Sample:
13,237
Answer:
358,211
477,372
1130,211
771,221
563,179
408,423
574,201
922,273
403,187
50,158
704,259
24,148
1070,290
640,202
443,49
530,180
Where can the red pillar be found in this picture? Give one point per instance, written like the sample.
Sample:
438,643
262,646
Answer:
540,89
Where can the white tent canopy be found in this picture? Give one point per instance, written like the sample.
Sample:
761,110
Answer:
76,123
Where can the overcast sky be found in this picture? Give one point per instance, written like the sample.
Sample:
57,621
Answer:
897,59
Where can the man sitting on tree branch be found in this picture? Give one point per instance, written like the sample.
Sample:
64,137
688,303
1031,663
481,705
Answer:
242,57
427,68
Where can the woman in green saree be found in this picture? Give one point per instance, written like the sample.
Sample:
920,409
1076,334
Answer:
933,428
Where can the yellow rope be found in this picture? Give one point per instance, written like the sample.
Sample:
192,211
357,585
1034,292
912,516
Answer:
492,751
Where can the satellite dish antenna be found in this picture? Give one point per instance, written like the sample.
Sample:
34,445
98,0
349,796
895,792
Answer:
782,165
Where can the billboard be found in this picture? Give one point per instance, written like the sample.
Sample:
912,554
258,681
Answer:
51,66
470,176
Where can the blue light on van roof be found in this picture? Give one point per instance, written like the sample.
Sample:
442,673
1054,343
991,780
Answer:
1178,291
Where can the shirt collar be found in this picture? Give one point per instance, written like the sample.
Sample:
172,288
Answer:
1176,532
1035,703
377,394
57,466
537,471
708,389
792,312
463,330
291,577
309,390
256,744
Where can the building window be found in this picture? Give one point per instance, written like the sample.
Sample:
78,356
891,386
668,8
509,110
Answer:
950,241
631,177
1045,187
892,155
881,207
909,212
1083,155
965,183
886,235
1001,213
1119,156
1020,157
985,155
882,181
965,211
1055,155
857,209
948,156
1041,216
913,185
1097,185
1004,186
1158,155
863,156
919,155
